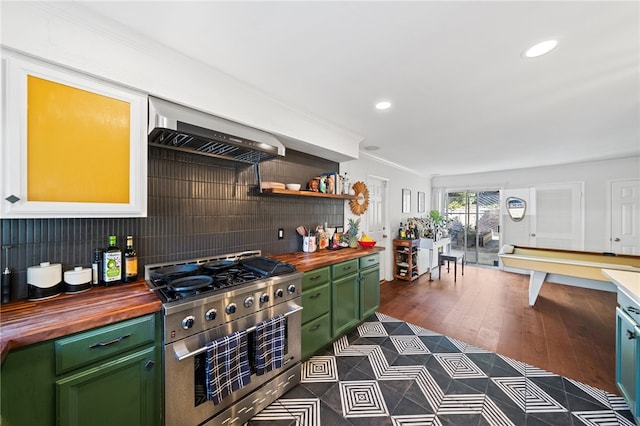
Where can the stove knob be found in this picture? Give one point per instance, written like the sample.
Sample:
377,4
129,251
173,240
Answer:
264,298
187,323
210,315
248,302
231,308
291,289
279,292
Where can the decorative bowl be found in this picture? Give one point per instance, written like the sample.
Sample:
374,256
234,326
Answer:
367,244
293,186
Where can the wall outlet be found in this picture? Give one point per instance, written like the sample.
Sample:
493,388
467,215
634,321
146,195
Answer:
280,233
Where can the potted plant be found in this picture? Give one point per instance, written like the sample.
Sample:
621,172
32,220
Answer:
438,223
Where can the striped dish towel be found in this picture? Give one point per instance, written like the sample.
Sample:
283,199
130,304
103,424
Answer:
270,340
227,366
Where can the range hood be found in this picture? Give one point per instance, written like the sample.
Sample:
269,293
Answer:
185,129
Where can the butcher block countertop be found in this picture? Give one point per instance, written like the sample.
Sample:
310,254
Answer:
26,322
307,261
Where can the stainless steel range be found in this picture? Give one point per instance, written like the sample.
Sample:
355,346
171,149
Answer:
206,299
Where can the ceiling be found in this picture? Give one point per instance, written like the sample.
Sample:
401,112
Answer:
464,99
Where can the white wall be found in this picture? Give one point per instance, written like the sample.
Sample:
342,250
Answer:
398,179
596,177
65,34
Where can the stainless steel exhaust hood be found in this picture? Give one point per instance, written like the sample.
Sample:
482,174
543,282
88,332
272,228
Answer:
185,129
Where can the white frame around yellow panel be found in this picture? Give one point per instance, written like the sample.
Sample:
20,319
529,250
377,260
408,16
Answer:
86,166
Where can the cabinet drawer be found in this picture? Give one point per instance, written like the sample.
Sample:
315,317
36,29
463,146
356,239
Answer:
371,260
316,302
344,268
315,277
629,306
104,342
315,335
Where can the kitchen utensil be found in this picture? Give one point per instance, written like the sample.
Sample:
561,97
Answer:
191,283
219,265
44,280
178,271
272,185
293,186
367,244
301,230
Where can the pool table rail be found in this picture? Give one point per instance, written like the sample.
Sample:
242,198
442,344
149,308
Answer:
580,265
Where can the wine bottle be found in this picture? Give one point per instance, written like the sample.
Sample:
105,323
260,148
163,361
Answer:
112,263
130,270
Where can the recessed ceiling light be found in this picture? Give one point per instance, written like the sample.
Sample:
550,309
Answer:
382,105
371,148
540,49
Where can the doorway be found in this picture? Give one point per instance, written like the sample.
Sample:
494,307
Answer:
474,224
376,224
624,235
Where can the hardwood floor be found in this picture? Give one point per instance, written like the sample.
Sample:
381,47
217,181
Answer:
569,331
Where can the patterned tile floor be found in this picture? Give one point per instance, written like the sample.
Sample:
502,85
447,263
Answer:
388,372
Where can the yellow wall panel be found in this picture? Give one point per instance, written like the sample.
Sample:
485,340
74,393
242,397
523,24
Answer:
78,145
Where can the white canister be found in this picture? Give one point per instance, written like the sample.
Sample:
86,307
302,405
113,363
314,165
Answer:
76,280
309,244
44,280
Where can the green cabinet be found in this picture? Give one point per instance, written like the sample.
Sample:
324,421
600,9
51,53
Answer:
336,299
316,312
109,375
628,352
369,285
345,303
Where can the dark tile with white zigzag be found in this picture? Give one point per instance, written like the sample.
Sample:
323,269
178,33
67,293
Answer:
388,372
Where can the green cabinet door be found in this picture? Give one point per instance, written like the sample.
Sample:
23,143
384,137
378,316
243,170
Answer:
345,304
120,392
369,292
27,386
315,335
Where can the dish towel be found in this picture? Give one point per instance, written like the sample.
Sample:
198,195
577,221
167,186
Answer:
227,366
270,340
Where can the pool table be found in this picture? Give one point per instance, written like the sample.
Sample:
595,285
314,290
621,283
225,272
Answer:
581,266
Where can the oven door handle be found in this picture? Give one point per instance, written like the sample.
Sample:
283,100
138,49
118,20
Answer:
181,352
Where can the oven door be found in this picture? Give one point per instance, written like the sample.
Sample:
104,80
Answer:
186,400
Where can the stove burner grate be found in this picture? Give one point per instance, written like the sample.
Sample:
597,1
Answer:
199,277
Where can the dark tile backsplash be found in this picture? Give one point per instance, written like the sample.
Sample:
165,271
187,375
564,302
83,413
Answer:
197,206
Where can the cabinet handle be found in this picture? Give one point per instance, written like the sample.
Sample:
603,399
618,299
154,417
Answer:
111,342
633,309
314,328
149,364
315,296
314,278
631,335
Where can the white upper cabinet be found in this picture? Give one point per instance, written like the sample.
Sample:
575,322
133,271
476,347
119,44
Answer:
72,145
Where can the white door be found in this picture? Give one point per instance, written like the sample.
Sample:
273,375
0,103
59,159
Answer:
377,226
557,217
625,217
